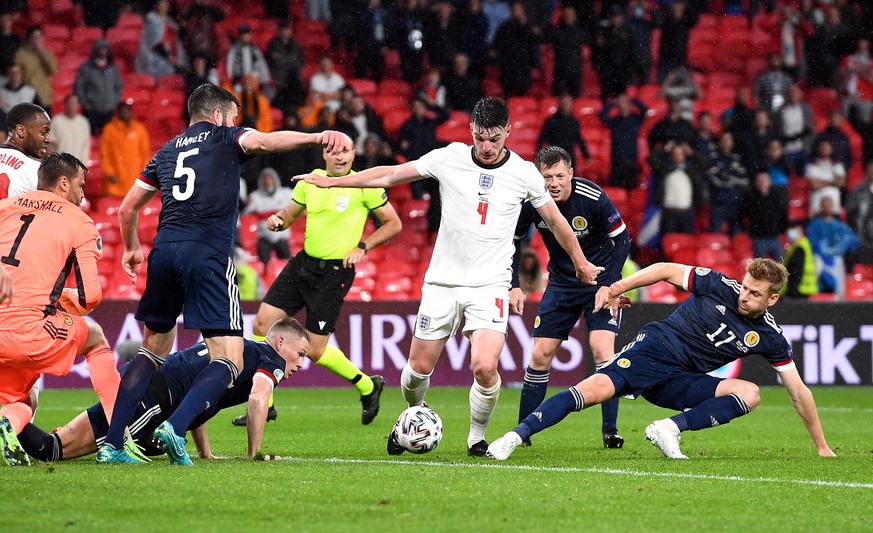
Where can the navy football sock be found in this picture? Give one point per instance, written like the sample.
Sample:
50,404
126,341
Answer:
131,390
206,390
551,412
41,445
533,392
712,412
609,408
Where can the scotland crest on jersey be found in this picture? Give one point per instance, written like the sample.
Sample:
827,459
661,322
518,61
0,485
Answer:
486,181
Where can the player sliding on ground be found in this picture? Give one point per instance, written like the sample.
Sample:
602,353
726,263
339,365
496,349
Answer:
482,187
266,364
668,361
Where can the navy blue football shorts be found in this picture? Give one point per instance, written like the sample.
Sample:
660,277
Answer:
560,310
645,368
194,279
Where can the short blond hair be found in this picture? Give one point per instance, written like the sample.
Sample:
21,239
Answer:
770,271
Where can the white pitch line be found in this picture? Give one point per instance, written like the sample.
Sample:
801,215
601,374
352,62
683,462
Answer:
611,471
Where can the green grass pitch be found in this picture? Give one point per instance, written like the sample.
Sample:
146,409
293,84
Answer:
759,473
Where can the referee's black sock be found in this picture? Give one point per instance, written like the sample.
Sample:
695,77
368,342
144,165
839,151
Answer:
41,445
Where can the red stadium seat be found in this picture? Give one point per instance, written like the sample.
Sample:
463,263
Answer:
365,269
742,246
396,88
393,289
414,209
824,297
135,80
519,105
859,289
715,241
707,257
128,20
394,119
673,242
393,268
365,88
662,293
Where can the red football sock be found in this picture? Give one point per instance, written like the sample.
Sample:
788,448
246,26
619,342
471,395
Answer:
19,415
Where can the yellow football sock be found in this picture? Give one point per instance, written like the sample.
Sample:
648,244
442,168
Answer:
270,401
336,361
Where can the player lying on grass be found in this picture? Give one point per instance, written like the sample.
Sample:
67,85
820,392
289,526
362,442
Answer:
266,364
667,362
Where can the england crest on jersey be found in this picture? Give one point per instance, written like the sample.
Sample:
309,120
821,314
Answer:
486,181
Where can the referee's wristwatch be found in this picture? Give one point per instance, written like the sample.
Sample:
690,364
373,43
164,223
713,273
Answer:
362,246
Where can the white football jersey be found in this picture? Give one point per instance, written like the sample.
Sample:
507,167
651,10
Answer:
480,209
18,172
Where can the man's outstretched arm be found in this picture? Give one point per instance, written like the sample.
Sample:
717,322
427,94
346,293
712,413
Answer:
804,404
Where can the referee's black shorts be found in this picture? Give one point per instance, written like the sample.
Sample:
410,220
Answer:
317,284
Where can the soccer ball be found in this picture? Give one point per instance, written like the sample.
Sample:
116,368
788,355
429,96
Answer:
419,429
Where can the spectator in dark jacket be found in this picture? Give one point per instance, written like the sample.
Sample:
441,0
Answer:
567,39
418,134
463,89
728,181
613,54
562,129
859,215
372,41
517,51
406,33
675,28
624,127
285,58
98,85
672,128
201,35
9,41
834,134
767,215
643,21
443,34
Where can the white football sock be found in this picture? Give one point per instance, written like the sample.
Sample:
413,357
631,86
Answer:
413,385
482,404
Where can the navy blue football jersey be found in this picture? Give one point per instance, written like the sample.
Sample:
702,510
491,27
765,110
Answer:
707,331
198,174
595,221
181,368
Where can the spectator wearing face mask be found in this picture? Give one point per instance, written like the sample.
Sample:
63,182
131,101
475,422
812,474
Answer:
267,199
800,263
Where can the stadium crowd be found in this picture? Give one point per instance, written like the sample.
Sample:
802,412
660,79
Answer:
721,130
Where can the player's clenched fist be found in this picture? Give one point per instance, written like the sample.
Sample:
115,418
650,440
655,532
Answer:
335,142
588,272
275,223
